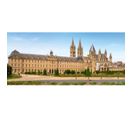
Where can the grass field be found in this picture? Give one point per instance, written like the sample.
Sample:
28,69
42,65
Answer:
13,76
62,83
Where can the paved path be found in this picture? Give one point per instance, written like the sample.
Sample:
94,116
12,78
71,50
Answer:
67,79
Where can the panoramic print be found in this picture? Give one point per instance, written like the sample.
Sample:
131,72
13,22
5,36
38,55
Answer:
66,58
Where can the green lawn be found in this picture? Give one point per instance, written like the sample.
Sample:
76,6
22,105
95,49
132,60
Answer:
13,76
62,83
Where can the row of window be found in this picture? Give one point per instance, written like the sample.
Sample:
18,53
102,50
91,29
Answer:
40,65
40,61
35,70
44,66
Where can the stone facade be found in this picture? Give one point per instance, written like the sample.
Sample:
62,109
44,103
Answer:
22,63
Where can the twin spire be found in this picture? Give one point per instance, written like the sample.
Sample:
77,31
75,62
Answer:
80,50
73,42
73,49
105,53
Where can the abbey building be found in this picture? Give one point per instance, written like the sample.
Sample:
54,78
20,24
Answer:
21,62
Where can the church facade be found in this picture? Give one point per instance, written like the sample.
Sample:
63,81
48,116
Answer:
22,63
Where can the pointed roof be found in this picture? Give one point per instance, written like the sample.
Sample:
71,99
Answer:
14,52
72,44
105,52
73,41
110,56
80,45
99,51
92,49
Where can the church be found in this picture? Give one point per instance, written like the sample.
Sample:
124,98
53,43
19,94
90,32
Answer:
22,62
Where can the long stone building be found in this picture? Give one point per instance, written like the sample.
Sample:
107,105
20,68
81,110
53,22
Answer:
22,63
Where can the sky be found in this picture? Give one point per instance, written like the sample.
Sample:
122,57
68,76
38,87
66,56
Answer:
59,42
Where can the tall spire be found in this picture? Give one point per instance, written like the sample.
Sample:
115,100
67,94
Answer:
72,42
110,57
80,43
80,49
72,49
99,51
105,52
92,49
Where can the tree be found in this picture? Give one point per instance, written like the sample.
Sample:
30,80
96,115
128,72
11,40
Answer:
78,72
72,72
56,72
44,72
9,70
39,72
97,72
87,72
83,72
67,72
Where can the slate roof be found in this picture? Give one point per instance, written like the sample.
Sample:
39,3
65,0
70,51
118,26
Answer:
16,54
92,49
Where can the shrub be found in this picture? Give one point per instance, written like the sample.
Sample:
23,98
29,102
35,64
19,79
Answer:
39,72
72,72
56,72
9,70
44,72
87,72
69,72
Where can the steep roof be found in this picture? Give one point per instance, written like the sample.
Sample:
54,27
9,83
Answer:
16,54
92,49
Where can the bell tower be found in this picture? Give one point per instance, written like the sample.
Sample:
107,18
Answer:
92,54
99,55
110,58
72,49
105,53
92,51
80,49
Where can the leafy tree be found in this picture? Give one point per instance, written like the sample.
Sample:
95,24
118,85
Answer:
44,72
87,72
78,72
83,72
72,72
67,72
9,70
56,72
39,72
97,72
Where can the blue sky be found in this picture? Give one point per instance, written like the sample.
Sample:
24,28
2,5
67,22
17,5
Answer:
59,42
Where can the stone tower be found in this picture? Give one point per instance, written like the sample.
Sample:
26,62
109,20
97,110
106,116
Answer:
92,54
110,58
72,49
105,53
99,55
80,49
92,51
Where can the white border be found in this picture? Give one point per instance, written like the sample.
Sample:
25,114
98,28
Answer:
66,16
